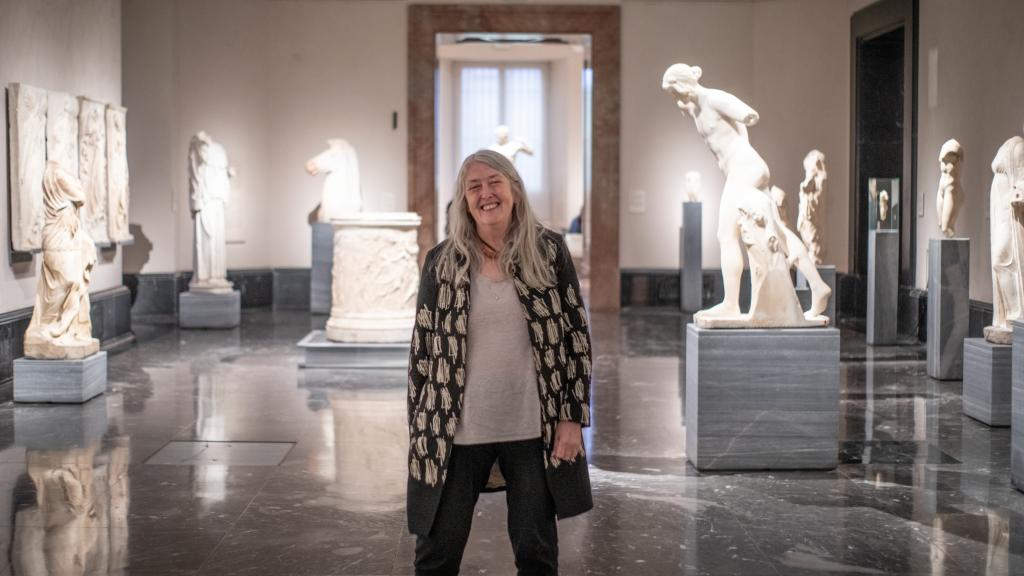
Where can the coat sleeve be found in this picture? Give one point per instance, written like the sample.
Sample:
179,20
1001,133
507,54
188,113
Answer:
575,396
422,332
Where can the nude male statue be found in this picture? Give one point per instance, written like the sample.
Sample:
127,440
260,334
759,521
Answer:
722,119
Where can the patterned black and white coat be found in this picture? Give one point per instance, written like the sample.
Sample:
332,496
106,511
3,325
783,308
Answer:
559,332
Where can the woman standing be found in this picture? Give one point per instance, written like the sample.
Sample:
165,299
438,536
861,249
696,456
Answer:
498,390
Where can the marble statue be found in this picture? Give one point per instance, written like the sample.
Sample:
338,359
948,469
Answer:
341,193
509,147
117,176
883,208
779,198
209,180
1007,229
747,216
951,194
61,327
92,167
62,130
808,216
26,164
693,183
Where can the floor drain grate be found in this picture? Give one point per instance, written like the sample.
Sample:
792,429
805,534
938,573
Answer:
204,453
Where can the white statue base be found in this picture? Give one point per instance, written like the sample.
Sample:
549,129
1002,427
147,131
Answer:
748,321
221,286
375,277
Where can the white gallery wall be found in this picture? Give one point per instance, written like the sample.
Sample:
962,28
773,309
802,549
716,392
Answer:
970,87
72,46
274,79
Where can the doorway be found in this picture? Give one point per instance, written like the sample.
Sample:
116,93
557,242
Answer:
428,23
883,134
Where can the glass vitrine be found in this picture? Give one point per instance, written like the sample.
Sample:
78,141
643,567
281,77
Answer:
883,203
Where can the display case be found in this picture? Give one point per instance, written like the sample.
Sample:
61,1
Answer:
883,203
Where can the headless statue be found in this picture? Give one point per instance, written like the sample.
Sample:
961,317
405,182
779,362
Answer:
747,215
951,194
509,147
1007,221
811,189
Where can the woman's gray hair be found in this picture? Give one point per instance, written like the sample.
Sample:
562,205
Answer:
522,249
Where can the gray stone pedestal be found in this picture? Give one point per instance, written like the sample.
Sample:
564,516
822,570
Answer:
883,286
803,291
987,381
62,381
207,310
320,273
319,352
949,267
691,270
762,399
1017,408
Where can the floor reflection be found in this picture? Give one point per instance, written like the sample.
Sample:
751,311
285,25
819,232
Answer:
921,489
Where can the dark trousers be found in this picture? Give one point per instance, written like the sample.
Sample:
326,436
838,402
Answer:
531,510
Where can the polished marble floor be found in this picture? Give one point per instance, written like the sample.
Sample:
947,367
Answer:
213,453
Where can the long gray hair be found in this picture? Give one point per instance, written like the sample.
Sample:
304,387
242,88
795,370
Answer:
522,249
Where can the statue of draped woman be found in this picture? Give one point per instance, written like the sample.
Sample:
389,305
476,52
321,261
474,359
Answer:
1006,199
60,327
209,178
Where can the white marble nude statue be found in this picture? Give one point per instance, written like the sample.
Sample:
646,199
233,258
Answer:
950,195
747,216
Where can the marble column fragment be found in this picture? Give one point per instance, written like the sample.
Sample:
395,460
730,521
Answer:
691,271
949,268
883,286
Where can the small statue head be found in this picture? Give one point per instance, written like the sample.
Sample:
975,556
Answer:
501,133
681,80
950,155
814,162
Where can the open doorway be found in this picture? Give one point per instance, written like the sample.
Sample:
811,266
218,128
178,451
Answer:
884,139
574,27
528,96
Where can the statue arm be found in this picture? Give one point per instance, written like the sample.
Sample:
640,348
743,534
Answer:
735,109
195,200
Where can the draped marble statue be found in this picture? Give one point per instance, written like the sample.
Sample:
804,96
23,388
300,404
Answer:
951,194
808,216
60,327
1006,199
509,147
209,179
341,192
747,216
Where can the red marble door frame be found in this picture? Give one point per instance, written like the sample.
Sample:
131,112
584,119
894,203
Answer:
602,23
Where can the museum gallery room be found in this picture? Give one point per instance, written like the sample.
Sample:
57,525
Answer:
402,287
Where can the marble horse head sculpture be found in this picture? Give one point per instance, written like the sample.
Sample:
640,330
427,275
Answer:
341,192
748,216
61,327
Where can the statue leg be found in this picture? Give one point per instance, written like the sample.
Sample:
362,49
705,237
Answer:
732,254
820,292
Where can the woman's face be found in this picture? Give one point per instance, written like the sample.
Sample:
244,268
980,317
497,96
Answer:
489,196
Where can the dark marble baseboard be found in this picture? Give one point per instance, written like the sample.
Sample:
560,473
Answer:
155,296
111,323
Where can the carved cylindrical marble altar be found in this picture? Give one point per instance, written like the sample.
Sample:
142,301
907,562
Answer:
375,277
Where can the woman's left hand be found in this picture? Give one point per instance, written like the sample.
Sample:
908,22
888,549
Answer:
568,441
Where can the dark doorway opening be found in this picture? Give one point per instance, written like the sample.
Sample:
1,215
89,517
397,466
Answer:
883,144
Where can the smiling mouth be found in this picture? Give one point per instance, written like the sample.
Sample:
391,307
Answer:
489,206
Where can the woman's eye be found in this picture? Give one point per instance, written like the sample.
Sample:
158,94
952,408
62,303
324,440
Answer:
474,188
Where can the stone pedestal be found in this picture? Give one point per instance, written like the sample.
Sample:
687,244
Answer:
803,291
61,381
1017,408
691,270
883,286
375,277
987,381
319,352
949,267
209,310
320,273
762,399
